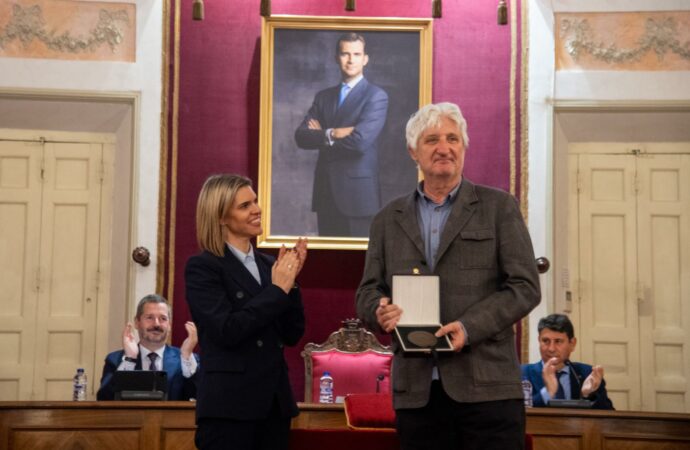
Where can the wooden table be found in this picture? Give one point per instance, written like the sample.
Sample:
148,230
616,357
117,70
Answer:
583,429
170,426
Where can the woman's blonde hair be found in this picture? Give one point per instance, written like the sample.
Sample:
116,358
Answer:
215,199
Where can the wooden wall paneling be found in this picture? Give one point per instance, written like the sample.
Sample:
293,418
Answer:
641,433
56,429
171,426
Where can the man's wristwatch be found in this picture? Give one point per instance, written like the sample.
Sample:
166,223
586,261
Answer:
128,359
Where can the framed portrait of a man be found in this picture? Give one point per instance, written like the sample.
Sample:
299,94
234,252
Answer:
336,93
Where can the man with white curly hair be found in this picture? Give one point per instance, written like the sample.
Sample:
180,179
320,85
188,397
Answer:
475,240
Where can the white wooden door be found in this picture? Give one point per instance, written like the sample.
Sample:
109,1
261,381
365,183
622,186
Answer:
664,280
20,213
632,308
608,320
51,224
69,267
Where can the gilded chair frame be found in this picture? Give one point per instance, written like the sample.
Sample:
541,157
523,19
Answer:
351,338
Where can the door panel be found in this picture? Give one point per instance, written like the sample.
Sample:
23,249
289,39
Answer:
607,266
69,252
664,273
20,210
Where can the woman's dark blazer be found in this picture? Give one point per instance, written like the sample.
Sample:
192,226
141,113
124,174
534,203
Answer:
242,328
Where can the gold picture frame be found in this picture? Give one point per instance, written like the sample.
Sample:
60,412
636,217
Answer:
298,60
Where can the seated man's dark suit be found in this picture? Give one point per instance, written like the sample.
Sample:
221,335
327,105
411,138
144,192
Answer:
179,387
532,373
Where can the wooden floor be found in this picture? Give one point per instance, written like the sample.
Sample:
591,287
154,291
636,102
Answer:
170,426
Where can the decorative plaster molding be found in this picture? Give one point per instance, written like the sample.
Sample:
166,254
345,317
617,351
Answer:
660,37
28,24
619,105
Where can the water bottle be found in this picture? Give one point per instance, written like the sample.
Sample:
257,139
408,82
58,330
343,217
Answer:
79,390
527,393
326,388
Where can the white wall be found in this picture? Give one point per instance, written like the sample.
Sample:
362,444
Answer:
143,77
546,88
540,93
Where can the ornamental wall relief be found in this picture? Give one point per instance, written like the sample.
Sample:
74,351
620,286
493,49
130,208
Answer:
63,29
623,41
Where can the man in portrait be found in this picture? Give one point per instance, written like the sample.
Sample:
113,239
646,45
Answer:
343,125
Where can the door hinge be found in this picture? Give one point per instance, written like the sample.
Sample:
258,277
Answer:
636,184
578,181
43,167
42,140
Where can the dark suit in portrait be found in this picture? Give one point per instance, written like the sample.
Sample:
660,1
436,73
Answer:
533,373
179,387
346,192
243,326
307,67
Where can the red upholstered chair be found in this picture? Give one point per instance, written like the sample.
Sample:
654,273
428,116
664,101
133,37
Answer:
357,361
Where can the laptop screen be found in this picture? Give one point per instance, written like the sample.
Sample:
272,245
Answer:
140,385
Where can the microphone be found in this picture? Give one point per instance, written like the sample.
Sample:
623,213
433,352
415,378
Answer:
379,379
576,376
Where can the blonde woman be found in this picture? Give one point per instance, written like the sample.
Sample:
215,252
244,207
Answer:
246,306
